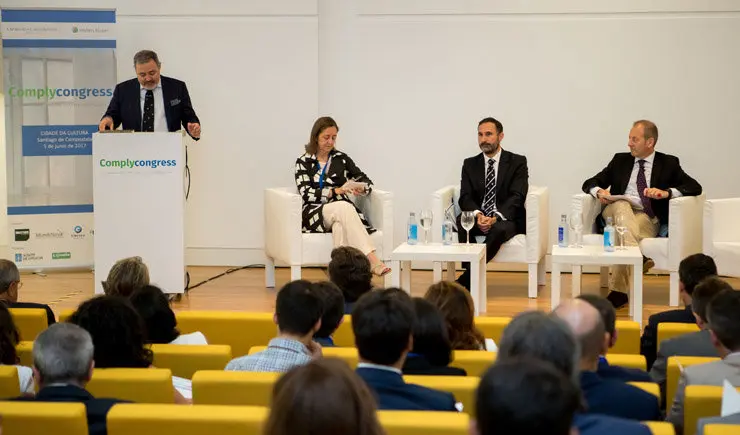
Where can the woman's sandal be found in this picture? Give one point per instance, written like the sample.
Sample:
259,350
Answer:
380,269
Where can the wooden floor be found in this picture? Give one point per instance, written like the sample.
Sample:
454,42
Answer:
245,290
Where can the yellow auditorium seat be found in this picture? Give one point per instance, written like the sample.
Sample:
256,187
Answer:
214,387
474,362
650,387
492,327
628,338
10,386
673,373
29,321
239,330
462,387
136,385
660,427
343,336
27,418
157,419
346,354
64,315
701,401
721,429
184,360
670,330
25,353
423,423
627,361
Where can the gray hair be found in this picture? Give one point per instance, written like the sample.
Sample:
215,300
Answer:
145,56
8,274
63,354
538,335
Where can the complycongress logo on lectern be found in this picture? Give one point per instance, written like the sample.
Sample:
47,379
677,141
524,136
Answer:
131,164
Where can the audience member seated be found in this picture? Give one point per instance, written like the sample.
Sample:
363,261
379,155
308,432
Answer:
609,317
432,352
63,365
333,308
298,311
456,306
322,397
119,338
350,270
723,315
691,271
10,283
125,276
537,335
159,319
383,323
603,396
525,397
8,356
696,343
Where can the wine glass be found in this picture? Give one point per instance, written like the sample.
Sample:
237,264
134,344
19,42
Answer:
468,221
621,229
576,224
426,223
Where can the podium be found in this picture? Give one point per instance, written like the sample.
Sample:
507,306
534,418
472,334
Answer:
139,204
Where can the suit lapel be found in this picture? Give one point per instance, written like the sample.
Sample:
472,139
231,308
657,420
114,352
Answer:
137,105
167,97
657,167
503,168
479,172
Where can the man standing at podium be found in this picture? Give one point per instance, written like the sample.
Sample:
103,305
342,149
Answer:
151,102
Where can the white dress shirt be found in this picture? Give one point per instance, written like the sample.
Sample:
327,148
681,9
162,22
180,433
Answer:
160,119
496,160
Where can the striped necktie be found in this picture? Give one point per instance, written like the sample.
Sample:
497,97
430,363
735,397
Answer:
489,200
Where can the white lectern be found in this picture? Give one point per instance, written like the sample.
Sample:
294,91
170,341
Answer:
139,204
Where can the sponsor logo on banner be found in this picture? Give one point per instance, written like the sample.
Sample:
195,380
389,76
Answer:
27,256
18,257
22,235
77,232
61,255
58,234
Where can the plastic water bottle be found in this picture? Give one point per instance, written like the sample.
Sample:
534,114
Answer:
563,231
413,230
609,235
447,232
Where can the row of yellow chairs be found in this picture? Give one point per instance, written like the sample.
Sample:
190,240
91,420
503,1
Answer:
149,419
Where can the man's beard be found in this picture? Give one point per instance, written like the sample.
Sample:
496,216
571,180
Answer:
489,148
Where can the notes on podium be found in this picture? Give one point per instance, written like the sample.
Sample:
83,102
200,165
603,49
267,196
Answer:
139,205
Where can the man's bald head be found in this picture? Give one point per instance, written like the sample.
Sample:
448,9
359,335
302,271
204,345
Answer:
586,323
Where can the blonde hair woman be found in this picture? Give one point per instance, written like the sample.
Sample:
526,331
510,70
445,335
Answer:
126,276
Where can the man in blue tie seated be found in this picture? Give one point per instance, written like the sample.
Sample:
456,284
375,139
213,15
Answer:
609,317
333,302
383,322
537,335
603,396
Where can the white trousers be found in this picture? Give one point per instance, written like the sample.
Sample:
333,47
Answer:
346,227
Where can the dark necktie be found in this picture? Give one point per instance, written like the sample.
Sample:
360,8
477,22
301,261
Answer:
641,186
147,121
489,199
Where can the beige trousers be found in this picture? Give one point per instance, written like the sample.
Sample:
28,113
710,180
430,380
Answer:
639,226
346,227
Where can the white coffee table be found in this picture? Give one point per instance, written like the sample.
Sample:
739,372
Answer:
438,253
594,255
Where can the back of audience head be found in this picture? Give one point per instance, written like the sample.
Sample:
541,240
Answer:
125,276
692,270
607,312
456,306
333,308
10,278
585,322
350,270
298,310
323,397
525,396
154,308
9,337
703,293
63,354
537,335
383,324
723,315
117,332
430,334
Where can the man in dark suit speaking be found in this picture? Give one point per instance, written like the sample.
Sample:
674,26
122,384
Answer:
494,185
151,102
649,179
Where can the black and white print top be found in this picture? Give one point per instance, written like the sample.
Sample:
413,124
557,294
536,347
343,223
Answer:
308,179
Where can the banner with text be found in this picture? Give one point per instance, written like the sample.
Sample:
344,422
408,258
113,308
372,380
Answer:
59,76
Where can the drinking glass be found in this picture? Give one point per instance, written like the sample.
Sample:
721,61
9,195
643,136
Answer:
576,225
621,229
426,223
468,221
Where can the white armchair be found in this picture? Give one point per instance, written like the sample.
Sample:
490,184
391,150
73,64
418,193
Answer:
684,234
529,248
285,243
722,234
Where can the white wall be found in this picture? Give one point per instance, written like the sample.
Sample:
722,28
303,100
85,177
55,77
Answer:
408,81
